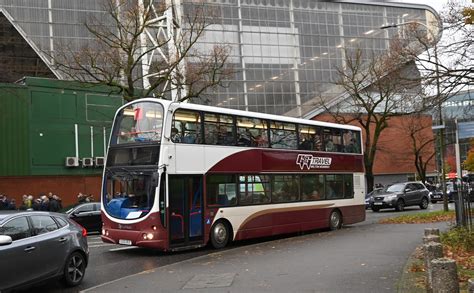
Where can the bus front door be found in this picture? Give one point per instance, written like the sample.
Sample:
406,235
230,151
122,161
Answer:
185,210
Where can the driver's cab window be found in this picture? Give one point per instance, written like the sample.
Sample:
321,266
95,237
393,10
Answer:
17,229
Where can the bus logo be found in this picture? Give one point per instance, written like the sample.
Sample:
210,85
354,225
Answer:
311,162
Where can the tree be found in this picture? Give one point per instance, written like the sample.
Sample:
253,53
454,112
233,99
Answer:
139,49
446,65
421,141
375,93
469,162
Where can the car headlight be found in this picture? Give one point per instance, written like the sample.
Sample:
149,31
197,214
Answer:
390,197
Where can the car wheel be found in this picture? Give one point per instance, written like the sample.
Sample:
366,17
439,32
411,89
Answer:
400,205
375,209
335,220
220,234
424,203
74,269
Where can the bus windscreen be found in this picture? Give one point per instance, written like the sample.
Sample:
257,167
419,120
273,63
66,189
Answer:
139,122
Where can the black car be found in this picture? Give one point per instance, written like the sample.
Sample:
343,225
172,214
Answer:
86,214
369,197
37,246
400,195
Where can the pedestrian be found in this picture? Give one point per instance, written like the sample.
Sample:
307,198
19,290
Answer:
81,198
3,202
44,206
29,202
36,205
12,205
54,204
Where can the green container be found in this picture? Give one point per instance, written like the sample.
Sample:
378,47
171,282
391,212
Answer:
39,126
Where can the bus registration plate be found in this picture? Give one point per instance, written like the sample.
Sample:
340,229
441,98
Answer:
125,242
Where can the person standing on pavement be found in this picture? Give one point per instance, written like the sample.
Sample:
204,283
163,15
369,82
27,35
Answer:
54,204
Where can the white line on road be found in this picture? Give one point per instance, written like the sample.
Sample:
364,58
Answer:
124,248
95,242
101,245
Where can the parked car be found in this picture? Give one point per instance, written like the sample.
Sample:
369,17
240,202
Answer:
86,214
435,194
37,246
369,197
400,195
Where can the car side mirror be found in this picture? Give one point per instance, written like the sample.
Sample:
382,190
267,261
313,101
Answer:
5,240
407,189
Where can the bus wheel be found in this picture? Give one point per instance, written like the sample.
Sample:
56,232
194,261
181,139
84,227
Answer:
335,220
220,234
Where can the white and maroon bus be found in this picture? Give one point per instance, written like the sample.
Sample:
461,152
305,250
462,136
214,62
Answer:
180,175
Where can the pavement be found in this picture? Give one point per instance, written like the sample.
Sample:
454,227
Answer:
358,258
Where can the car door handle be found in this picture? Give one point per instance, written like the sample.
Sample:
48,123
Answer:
62,239
30,248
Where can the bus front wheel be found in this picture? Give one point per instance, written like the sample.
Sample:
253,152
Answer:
220,234
335,220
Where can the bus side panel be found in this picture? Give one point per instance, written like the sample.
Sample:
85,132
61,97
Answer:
295,220
353,214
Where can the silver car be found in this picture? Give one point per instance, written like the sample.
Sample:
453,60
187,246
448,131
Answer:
36,246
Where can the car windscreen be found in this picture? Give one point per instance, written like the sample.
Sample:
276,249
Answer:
396,188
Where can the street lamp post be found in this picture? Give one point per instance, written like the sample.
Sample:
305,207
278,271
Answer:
438,97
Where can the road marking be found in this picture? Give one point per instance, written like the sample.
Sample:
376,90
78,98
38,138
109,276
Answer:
96,242
124,248
101,245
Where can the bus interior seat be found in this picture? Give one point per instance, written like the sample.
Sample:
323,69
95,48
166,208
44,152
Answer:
222,199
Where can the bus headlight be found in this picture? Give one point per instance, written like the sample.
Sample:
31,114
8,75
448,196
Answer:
147,236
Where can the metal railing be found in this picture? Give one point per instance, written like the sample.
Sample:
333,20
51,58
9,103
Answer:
464,204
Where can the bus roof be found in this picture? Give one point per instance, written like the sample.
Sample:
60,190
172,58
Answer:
220,110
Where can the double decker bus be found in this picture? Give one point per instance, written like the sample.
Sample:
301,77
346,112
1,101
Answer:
180,175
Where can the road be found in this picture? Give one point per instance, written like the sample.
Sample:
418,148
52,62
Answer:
110,262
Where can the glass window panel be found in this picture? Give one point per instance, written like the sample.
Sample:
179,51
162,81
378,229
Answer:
218,129
285,188
221,190
312,187
254,189
351,141
348,186
332,140
334,186
43,224
310,138
186,127
17,229
252,132
283,135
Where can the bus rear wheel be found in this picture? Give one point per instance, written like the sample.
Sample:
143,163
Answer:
220,234
335,220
